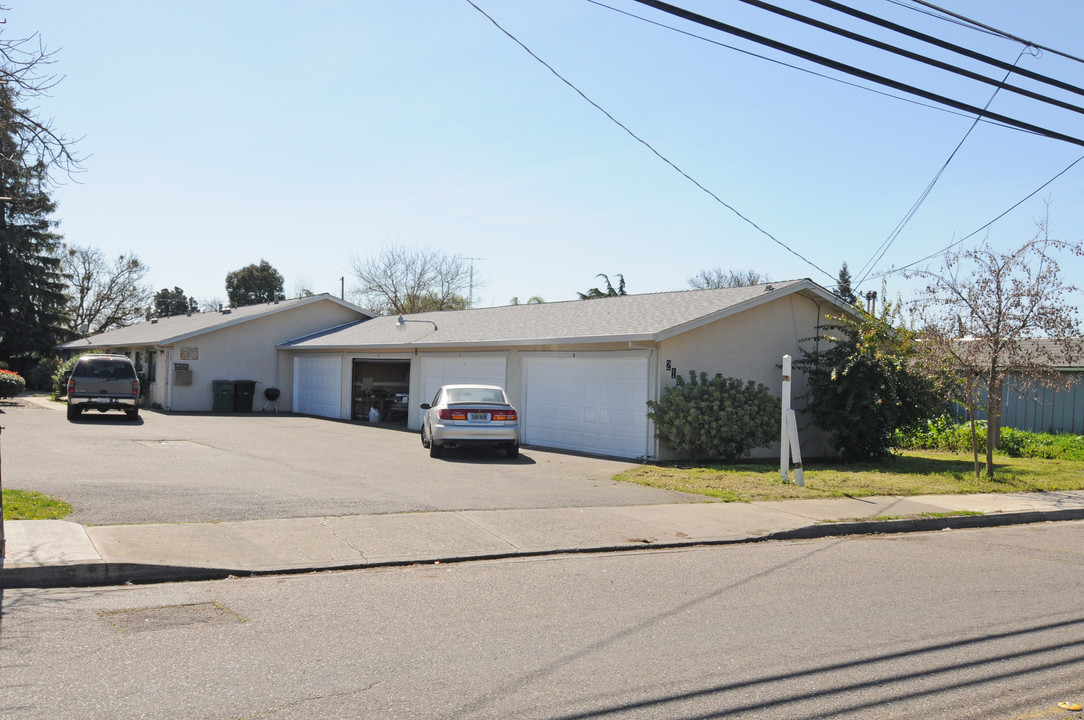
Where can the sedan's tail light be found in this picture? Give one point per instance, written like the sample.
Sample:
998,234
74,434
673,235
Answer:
464,413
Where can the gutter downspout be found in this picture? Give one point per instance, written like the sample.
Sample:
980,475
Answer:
652,444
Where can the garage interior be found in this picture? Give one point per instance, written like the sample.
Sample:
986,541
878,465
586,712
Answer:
380,386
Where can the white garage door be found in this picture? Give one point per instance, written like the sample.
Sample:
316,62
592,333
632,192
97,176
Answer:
318,385
437,371
589,404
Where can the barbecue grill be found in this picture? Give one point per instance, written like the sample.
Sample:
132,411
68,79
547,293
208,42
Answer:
272,396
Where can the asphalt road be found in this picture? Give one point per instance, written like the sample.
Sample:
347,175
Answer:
199,468
966,624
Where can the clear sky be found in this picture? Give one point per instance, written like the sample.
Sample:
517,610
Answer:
312,134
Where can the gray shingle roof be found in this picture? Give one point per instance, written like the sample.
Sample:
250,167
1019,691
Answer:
649,317
165,331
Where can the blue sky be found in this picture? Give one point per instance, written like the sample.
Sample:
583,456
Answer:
309,135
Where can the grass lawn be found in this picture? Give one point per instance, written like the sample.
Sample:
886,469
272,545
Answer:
915,472
30,505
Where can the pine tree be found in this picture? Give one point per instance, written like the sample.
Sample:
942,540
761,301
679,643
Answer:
32,285
843,285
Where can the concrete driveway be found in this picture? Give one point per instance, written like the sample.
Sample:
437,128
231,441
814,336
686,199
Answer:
202,468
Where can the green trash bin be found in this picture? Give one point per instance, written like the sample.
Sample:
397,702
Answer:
223,395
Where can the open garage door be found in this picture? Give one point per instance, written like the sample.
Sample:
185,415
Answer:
589,404
318,385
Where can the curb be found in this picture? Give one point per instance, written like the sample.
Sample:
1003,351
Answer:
104,574
959,522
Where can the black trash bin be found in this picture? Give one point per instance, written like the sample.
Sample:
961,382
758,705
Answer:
243,391
223,400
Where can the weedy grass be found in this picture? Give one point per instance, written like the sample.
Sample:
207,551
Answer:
30,505
914,472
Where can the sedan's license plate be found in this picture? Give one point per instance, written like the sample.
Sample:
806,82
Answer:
478,417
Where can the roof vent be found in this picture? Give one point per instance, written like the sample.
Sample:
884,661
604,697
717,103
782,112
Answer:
154,321
768,288
226,311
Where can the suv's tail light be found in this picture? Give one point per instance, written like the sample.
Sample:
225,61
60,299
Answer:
71,384
135,388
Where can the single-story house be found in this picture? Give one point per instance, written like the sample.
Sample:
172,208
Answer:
1028,403
580,372
181,357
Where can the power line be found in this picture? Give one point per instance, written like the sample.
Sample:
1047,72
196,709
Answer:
953,47
851,70
917,57
1002,33
646,144
880,252
975,232
792,66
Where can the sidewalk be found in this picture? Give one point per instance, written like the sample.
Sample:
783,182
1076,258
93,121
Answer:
57,553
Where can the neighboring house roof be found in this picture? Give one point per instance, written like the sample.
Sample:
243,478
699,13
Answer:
632,318
1058,353
169,330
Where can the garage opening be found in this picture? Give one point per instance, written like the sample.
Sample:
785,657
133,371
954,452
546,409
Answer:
379,391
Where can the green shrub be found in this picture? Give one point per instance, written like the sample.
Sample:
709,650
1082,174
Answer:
946,434
11,384
60,378
942,433
41,375
722,417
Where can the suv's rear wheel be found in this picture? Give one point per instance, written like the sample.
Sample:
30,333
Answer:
74,411
132,414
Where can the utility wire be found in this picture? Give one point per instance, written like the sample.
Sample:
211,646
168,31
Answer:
851,70
975,232
792,66
1002,33
917,57
643,142
944,44
892,236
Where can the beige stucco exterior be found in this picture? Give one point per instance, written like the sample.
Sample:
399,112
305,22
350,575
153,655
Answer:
749,345
242,351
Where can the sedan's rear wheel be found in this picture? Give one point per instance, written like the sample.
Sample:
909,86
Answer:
512,451
434,449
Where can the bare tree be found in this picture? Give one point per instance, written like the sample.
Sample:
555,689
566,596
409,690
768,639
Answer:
401,280
719,278
302,287
990,315
24,71
103,295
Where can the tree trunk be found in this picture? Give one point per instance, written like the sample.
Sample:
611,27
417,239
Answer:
993,421
971,418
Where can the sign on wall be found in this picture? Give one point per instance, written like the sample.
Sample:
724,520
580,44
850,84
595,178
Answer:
189,352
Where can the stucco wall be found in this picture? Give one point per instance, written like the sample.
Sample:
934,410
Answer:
245,351
749,346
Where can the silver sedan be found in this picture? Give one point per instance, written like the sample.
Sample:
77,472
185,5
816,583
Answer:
463,415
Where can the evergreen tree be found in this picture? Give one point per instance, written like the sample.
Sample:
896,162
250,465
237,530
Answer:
843,285
254,284
33,305
173,302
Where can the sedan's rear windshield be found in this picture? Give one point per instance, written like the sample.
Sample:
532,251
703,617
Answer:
480,395
104,370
